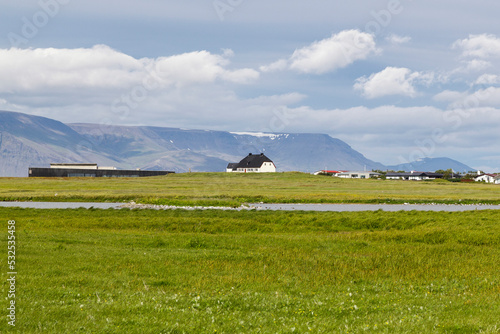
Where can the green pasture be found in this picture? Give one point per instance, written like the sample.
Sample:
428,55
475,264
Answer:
235,189
175,271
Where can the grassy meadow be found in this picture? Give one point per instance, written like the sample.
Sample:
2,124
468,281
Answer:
175,271
233,189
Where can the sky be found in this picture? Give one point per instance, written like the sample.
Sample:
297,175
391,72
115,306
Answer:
398,80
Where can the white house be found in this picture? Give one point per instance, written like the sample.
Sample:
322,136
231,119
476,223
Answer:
252,163
329,172
488,178
413,175
357,175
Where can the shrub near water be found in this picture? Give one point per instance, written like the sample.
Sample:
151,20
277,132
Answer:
144,271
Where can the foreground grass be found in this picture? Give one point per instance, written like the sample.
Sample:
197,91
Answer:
144,271
235,189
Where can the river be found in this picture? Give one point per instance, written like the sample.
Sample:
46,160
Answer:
261,206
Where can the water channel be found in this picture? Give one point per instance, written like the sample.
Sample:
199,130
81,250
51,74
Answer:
262,206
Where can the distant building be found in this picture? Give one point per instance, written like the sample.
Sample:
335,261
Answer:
252,163
488,178
357,175
413,175
329,172
89,170
76,166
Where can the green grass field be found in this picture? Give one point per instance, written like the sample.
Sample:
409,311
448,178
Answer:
235,189
175,271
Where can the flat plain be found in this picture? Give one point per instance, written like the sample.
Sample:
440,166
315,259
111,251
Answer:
212,271
235,189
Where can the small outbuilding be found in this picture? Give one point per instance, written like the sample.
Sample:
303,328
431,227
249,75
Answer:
329,172
357,175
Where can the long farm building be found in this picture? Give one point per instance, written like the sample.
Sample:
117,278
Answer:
89,170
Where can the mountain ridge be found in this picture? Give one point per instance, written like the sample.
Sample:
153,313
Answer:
35,141
433,164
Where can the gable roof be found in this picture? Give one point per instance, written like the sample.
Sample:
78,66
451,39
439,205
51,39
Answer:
357,172
488,174
253,161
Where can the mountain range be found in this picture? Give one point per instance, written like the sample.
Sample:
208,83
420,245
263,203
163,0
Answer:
34,141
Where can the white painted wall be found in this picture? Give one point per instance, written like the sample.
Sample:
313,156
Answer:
267,167
485,178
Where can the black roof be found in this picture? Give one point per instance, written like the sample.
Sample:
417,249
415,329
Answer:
252,161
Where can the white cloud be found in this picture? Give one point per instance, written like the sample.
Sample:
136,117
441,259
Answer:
476,65
478,53
242,76
279,100
488,97
449,96
391,81
200,67
278,65
488,79
39,69
396,39
6,105
104,69
479,46
480,98
327,55
193,67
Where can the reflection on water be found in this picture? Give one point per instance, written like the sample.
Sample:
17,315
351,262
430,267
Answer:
375,207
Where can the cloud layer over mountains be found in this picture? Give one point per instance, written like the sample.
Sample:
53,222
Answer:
368,73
